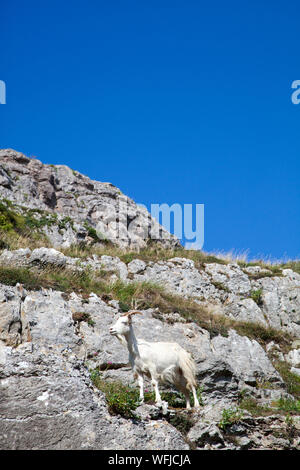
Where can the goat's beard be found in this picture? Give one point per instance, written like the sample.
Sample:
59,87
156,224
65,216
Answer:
122,339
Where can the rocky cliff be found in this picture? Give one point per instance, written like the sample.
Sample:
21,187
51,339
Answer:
71,208
65,383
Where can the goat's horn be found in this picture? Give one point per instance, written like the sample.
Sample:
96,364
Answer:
131,312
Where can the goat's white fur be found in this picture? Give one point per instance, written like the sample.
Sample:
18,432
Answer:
160,361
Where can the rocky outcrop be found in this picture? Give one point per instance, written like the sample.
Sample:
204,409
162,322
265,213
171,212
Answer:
47,399
79,204
227,289
47,402
231,289
51,341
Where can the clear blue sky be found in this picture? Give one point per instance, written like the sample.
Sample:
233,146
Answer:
172,101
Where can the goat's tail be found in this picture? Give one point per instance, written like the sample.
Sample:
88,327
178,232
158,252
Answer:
188,368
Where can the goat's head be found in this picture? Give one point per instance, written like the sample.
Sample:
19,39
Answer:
122,325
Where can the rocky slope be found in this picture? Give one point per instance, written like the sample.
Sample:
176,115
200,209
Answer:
55,346
79,204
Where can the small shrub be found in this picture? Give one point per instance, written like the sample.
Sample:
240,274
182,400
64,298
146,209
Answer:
83,316
256,295
229,417
121,399
92,232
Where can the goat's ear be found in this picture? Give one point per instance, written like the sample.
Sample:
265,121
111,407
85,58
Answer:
20,290
127,314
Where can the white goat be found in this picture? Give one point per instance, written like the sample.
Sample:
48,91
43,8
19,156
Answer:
159,361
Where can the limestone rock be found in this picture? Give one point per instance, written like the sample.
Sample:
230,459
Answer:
47,402
47,256
245,310
79,203
293,357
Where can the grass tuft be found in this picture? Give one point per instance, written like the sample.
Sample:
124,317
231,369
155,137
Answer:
291,380
121,399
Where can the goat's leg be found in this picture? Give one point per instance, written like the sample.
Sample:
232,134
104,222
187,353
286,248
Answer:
187,397
141,385
154,383
196,402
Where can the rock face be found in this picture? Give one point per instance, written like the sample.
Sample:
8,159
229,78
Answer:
230,288
47,400
50,341
227,289
78,202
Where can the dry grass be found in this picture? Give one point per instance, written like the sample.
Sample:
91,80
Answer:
14,241
153,253
142,294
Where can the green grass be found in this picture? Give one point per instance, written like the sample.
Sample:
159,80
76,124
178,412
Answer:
23,223
92,232
289,405
11,276
275,269
21,227
121,399
230,416
291,380
174,400
256,295
283,406
59,279
251,405
124,399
